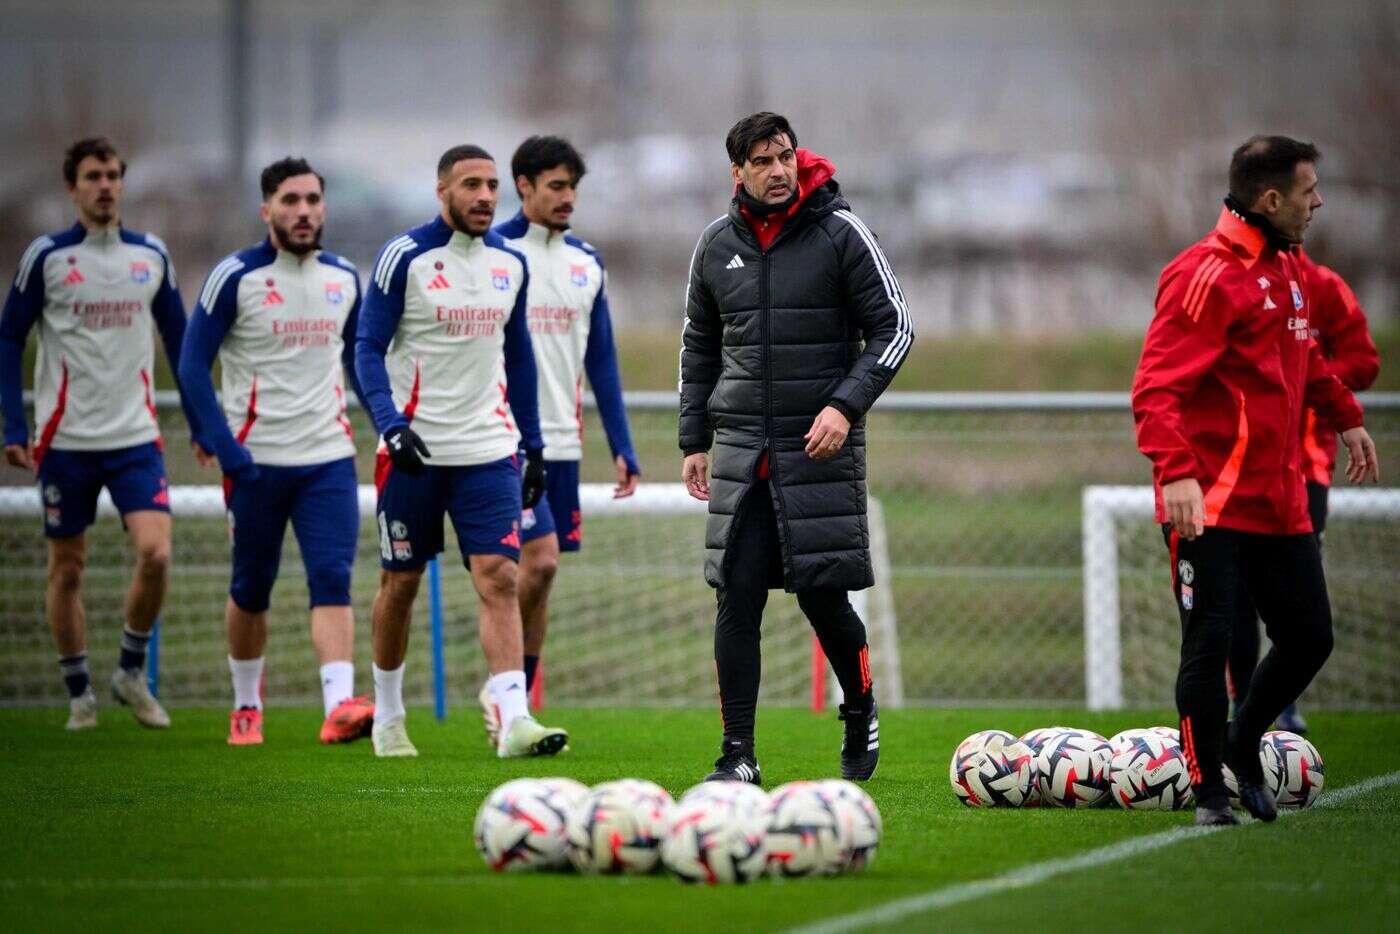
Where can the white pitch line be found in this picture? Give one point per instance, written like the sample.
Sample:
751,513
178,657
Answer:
1040,872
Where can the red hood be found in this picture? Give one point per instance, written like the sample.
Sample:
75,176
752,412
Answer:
813,171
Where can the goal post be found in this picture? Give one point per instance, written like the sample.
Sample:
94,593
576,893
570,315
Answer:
640,573
1105,509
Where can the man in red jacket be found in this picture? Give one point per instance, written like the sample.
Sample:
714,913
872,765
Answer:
1339,326
1228,369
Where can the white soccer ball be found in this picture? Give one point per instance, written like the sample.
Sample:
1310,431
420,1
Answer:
1034,740
521,825
618,828
1292,768
978,740
995,773
804,832
717,834
858,823
1150,774
1072,770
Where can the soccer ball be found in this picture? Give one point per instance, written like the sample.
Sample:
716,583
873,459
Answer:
1072,770
717,834
618,827
997,773
858,822
1292,768
804,832
521,825
978,740
1034,740
1150,774
1232,785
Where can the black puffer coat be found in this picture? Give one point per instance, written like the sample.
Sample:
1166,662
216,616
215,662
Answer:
772,337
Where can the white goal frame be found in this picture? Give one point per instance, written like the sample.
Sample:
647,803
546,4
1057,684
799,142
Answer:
875,606
1103,506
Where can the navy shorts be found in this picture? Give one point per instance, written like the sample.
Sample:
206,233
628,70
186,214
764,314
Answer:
322,502
70,481
483,501
557,512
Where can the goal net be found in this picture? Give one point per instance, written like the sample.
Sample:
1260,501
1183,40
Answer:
631,617
1132,633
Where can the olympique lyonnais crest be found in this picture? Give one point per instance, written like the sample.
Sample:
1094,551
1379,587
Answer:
334,295
140,273
500,278
578,275
1297,295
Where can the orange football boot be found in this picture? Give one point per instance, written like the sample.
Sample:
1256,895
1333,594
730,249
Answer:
351,719
245,727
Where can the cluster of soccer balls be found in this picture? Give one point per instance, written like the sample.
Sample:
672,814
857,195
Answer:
718,832
1139,769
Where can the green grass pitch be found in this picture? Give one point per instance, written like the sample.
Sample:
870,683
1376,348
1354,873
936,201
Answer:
124,829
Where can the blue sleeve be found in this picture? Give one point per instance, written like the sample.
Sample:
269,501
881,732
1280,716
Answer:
168,309
604,376
22,309
522,379
203,337
347,350
379,320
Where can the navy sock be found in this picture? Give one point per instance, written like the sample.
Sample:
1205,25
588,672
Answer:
133,649
531,663
74,669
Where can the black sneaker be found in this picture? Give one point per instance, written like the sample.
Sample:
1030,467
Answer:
735,764
1215,814
1257,799
860,749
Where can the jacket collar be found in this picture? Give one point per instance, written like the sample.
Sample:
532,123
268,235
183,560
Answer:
1247,234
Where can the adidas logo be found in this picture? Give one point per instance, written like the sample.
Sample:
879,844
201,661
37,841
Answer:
1269,304
512,540
735,263
74,277
439,282
273,298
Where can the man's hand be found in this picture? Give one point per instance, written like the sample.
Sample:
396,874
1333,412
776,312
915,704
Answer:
21,455
626,479
1361,455
1186,507
695,472
406,450
827,434
201,456
532,484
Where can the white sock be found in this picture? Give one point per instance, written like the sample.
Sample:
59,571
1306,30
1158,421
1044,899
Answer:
247,676
388,694
337,684
508,691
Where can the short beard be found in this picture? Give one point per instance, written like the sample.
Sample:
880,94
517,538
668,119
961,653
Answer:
284,237
463,222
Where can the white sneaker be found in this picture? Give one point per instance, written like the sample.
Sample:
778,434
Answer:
391,740
130,688
82,712
526,737
490,717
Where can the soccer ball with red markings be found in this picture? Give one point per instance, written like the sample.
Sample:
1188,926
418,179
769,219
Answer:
521,825
804,832
858,823
999,772
618,828
1150,773
1035,740
717,834
1072,770
1292,768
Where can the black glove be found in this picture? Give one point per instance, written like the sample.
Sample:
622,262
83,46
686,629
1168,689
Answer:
532,486
406,450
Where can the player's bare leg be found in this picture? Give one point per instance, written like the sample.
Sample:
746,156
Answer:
150,539
539,561
393,610
502,641
247,641
348,717
63,602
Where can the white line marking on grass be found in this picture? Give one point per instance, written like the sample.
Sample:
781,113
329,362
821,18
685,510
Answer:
1037,873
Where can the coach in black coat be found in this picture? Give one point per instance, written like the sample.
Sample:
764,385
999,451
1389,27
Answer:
795,325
